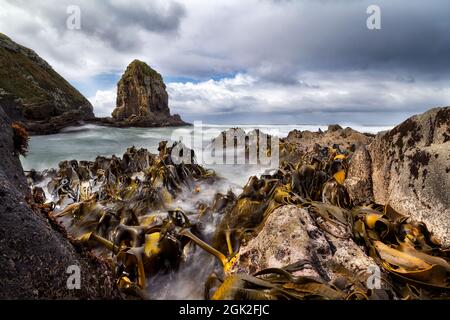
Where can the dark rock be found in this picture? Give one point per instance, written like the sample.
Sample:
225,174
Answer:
334,127
12,106
34,256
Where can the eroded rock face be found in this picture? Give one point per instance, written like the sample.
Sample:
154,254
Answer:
291,235
142,99
47,102
34,256
359,177
410,170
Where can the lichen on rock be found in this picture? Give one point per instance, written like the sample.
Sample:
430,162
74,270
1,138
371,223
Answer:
409,168
291,236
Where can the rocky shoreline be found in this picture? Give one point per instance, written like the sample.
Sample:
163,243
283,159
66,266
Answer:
33,93
341,204
173,121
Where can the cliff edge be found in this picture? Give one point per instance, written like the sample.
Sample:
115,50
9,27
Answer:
45,101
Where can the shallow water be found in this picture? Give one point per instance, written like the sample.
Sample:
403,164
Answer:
89,141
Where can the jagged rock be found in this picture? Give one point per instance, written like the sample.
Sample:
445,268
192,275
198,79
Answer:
300,143
141,92
142,99
345,138
290,235
410,169
359,177
34,256
48,102
334,127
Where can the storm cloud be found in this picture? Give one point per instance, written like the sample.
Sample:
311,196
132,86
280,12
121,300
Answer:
243,61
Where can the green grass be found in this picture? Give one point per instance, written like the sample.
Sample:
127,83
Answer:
16,66
137,66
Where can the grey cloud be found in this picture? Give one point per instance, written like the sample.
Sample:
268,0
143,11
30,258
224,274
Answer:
298,36
117,23
120,24
294,47
282,73
273,40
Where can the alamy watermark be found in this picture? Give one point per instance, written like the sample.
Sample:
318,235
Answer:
373,22
374,280
73,21
231,147
74,280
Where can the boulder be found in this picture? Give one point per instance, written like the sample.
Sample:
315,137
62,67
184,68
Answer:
291,235
410,170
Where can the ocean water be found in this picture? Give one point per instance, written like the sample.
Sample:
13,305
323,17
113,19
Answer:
89,141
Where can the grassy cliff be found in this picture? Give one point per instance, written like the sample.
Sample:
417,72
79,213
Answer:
43,92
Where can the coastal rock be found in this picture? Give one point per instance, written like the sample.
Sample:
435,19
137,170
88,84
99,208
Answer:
290,235
34,256
359,177
345,138
142,99
47,101
304,142
410,170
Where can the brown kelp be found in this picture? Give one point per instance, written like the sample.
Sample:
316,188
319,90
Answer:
125,209
415,265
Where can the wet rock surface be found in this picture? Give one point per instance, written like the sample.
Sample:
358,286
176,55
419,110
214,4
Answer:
34,256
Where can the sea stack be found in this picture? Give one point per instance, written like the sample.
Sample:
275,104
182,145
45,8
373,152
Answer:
142,99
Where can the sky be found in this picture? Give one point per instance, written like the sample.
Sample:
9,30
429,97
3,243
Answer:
252,61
